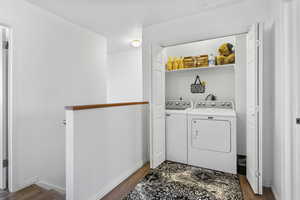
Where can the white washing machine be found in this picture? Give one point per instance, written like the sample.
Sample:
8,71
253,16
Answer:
212,136
176,130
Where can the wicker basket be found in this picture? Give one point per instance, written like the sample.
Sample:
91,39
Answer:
202,61
189,62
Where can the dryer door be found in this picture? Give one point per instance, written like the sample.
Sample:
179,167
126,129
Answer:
212,143
211,135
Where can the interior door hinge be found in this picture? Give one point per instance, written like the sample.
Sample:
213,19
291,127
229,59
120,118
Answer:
258,43
257,109
257,174
5,163
5,45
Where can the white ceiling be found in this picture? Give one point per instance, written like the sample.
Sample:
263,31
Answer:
122,20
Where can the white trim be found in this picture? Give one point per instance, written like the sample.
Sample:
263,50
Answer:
288,123
295,30
28,182
267,184
275,193
12,185
50,186
117,181
70,190
2,114
36,181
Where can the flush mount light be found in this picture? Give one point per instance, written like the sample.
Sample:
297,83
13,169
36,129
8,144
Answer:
135,43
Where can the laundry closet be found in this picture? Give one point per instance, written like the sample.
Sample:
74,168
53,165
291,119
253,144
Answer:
206,104
200,76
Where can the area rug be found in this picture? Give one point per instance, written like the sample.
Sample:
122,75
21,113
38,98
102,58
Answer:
179,181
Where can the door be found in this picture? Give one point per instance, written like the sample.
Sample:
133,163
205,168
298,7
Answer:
176,137
254,108
296,83
211,135
157,133
3,108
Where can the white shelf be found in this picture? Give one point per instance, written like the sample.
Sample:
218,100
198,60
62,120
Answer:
204,68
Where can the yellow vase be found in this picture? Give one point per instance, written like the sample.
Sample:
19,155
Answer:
180,64
175,64
170,64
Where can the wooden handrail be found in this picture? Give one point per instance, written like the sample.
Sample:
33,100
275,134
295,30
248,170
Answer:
85,107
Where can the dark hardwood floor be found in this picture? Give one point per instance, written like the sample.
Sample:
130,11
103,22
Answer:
122,189
248,192
35,192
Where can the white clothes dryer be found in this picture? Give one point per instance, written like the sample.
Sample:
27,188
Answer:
212,136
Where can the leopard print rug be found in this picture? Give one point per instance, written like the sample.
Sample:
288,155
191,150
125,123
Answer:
179,181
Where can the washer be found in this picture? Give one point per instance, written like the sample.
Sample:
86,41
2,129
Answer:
212,136
176,130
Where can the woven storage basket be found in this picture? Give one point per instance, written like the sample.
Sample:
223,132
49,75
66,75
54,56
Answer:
202,61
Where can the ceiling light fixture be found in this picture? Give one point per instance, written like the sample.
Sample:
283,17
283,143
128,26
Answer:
135,43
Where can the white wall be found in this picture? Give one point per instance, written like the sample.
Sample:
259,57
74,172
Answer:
125,78
105,146
54,63
240,92
219,82
234,19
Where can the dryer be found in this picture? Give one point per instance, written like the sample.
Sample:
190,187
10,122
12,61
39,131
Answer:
212,136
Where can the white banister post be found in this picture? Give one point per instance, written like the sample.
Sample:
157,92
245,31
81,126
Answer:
70,155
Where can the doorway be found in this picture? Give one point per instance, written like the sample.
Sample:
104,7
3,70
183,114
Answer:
157,91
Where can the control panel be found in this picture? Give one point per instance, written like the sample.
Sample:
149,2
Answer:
178,105
214,104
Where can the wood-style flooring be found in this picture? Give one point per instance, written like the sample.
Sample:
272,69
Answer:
126,186
35,192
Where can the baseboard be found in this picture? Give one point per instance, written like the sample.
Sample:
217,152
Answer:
275,193
36,181
27,183
267,185
117,181
50,186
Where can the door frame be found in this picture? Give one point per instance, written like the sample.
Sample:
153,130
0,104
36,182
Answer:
294,28
11,185
289,42
296,131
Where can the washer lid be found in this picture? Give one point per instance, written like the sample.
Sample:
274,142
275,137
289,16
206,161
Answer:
213,111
